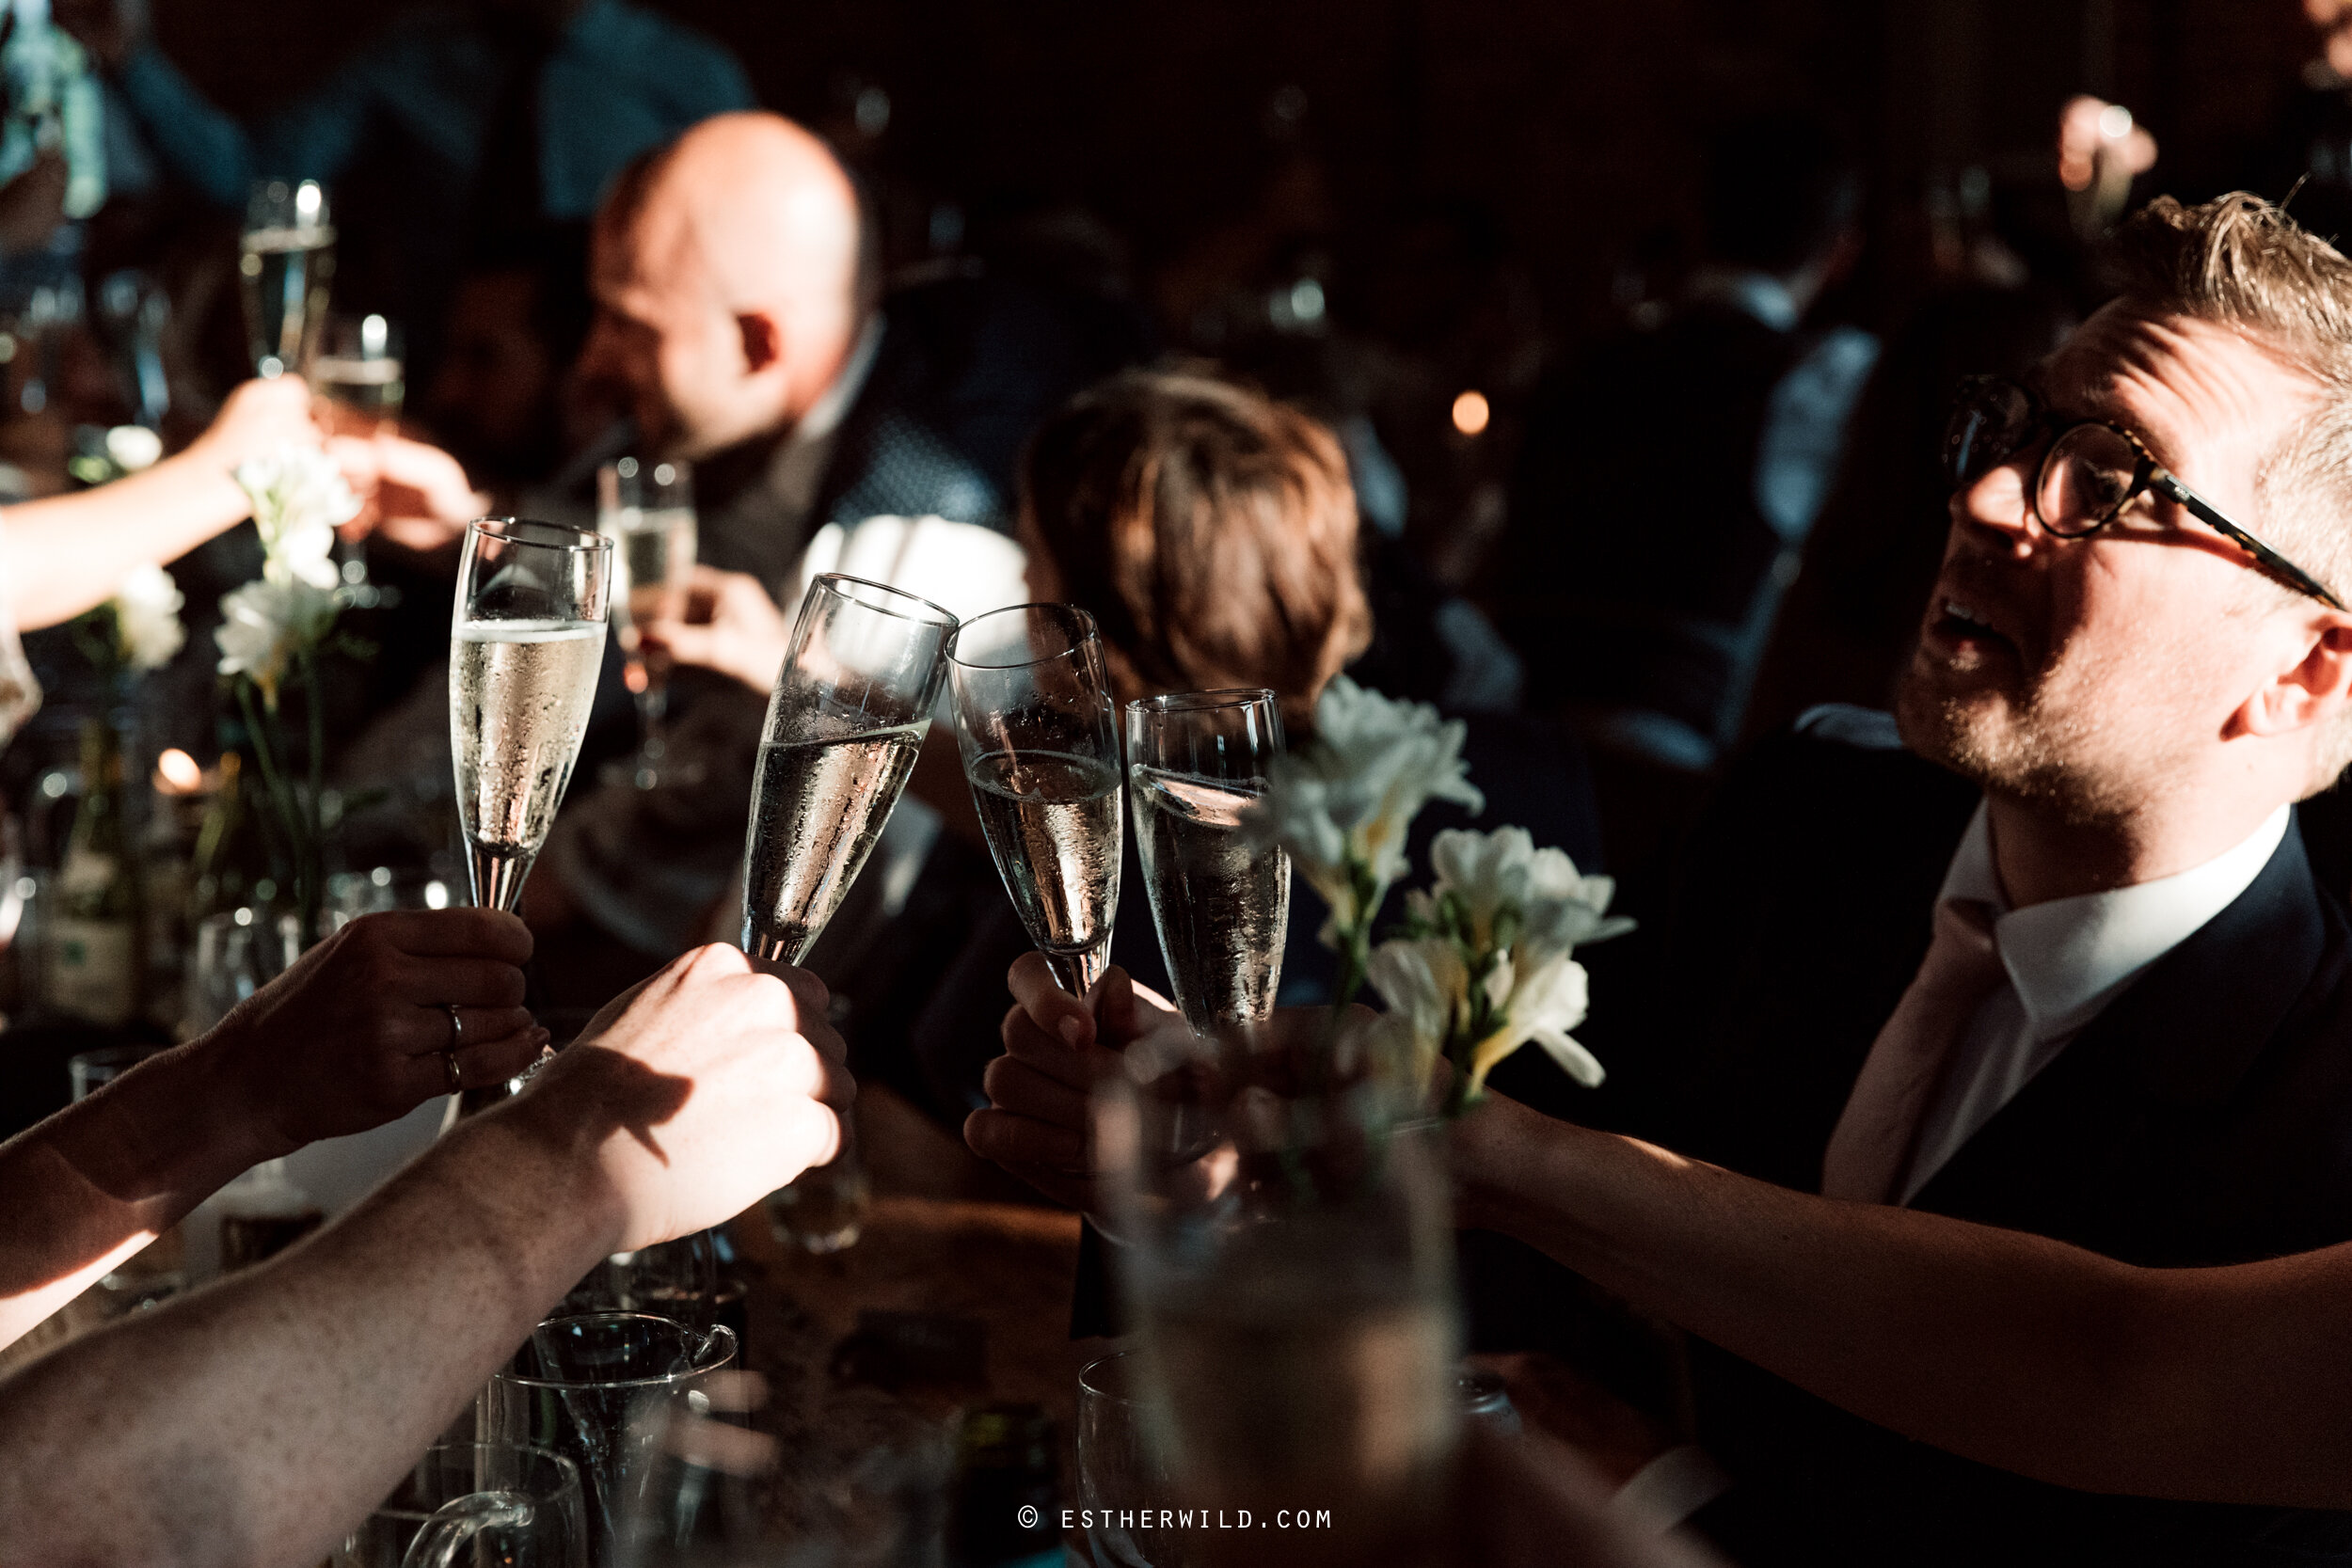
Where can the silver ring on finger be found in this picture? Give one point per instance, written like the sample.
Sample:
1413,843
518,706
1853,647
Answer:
456,1027
454,1073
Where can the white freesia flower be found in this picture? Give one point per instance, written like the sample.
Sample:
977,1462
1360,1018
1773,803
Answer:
1426,987
1341,803
146,618
1539,1003
265,624
1510,894
298,496
1508,915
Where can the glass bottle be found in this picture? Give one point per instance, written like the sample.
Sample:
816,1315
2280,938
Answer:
95,969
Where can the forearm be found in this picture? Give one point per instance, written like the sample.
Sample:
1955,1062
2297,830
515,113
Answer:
86,1188
68,553
254,1421
2004,1347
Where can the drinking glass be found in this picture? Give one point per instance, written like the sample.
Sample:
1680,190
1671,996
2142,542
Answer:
648,510
477,1502
851,706
677,1279
159,1270
526,640
1122,1468
592,1388
1040,751
285,263
1196,762
359,373
1289,1265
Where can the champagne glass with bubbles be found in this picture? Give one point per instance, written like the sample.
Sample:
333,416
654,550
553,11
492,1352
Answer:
647,509
1196,762
285,262
845,723
1041,750
526,640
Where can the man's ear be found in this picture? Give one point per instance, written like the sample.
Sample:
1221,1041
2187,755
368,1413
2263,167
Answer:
763,341
2316,688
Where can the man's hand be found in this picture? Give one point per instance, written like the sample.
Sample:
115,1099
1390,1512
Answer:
706,1086
414,495
352,1036
730,624
1037,1123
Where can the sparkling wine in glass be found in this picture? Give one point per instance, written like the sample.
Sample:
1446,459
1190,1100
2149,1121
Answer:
646,509
526,639
285,263
851,706
359,374
1196,762
1041,750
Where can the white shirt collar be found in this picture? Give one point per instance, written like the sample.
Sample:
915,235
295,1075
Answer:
2069,956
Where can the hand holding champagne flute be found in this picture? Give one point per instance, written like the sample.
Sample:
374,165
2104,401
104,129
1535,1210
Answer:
1196,762
846,718
1034,714
526,640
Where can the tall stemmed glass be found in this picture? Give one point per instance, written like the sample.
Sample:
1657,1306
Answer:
1041,750
526,640
851,707
1196,762
285,261
648,510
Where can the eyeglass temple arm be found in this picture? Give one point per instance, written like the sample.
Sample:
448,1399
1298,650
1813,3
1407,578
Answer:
2205,512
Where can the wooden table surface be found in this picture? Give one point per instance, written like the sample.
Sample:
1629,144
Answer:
947,1236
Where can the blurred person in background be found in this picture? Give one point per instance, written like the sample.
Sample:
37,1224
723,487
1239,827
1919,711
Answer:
1669,477
501,399
740,321
452,123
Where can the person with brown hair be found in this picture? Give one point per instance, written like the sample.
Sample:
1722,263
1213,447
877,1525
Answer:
1209,530
2041,950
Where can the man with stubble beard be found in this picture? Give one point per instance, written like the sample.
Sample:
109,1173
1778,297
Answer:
2043,950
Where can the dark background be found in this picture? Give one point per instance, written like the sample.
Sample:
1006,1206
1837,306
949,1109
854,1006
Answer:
1575,126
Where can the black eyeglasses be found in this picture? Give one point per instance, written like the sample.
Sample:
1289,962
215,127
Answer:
2089,472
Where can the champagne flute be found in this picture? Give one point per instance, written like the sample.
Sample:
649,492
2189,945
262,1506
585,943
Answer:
1040,751
359,374
1196,762
648,510
526,640
285,261
851,706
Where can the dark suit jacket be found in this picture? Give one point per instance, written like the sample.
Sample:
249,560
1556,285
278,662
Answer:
2204,1118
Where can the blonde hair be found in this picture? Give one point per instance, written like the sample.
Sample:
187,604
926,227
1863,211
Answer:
2242,263
1209,530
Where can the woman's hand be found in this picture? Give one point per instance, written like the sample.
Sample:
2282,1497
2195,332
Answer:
728,623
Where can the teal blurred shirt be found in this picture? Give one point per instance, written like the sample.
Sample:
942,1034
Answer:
618,80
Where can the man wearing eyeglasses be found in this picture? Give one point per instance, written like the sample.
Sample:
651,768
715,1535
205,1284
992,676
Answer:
2076,977
2041,950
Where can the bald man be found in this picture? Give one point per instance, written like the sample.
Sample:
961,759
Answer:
740,319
